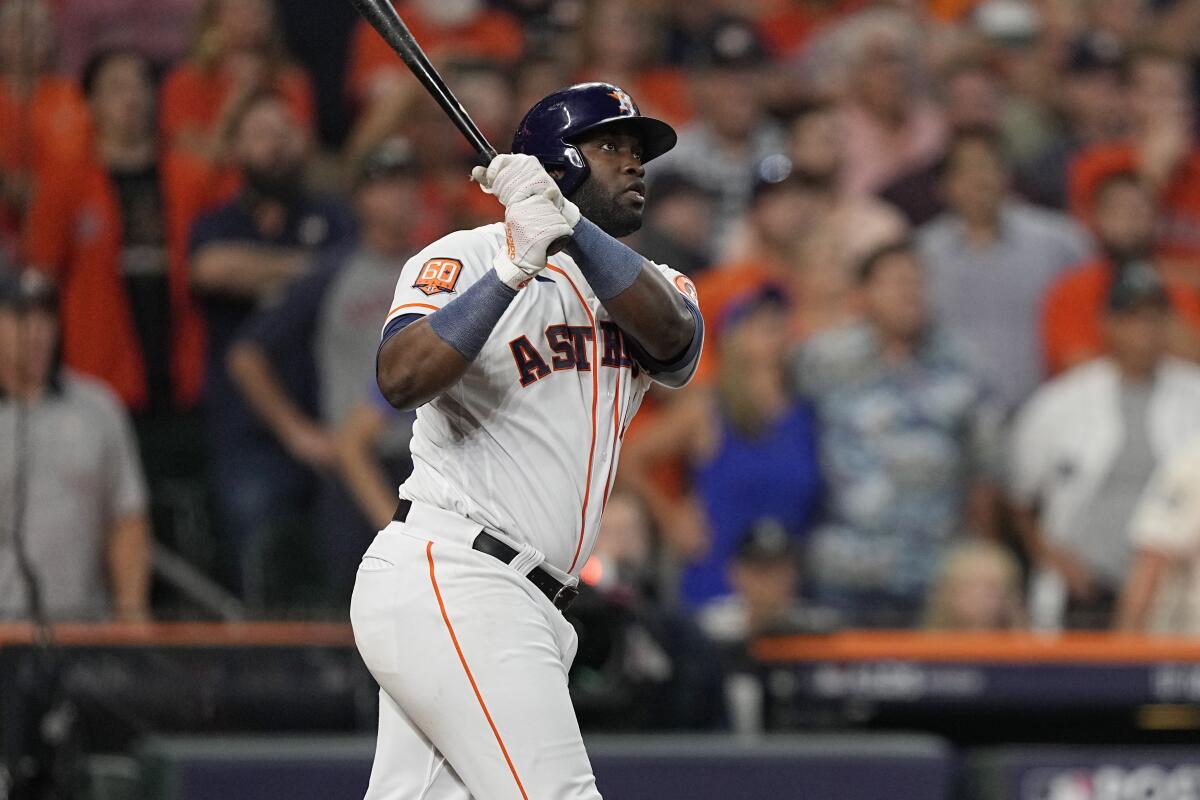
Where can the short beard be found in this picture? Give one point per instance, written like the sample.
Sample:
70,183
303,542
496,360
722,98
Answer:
604,211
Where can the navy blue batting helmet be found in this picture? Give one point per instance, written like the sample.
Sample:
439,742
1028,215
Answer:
550,129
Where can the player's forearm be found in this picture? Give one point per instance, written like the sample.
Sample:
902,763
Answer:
416,365
654,314
129,566
245,270
1139,592
641,301
430,355
254,376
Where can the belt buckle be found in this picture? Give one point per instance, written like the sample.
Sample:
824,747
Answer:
564,597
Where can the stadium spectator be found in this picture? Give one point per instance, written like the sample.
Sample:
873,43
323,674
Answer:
991,259
448,201
910,440
1175,27
112,230
1162,592
1087,443
373,456
81,506
889,127
624,562
1123,221
1161,149
817,147
469,30
1091,101
973,97
161,30
816,150
787,27
731,133
1024,44
1118,20
331,315
618,47
641,664
237,53
108,228
45,119
764,573
390,101
750,448
785,245
243,254
979,589
676,225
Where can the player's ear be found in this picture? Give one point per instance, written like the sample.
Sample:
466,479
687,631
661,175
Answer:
556,172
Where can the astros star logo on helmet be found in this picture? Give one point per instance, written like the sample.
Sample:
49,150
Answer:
626,102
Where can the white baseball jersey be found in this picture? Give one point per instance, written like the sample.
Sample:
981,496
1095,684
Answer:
527,441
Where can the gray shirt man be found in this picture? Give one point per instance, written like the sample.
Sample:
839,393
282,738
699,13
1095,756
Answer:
82,476
991,295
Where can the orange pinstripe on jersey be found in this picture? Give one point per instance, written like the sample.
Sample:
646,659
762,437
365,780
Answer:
612,461
587,491
463,660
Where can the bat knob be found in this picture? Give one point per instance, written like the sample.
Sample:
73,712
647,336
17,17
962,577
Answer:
558,245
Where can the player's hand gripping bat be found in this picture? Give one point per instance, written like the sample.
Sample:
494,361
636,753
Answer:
387,22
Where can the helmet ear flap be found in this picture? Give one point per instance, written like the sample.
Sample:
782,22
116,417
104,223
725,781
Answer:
575,169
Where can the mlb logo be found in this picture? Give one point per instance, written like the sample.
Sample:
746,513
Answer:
438,275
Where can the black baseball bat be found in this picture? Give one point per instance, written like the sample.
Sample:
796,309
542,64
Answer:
387,22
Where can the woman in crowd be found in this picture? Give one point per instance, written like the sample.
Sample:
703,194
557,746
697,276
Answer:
238,51
749,447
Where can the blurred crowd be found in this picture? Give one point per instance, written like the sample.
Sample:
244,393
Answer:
948,255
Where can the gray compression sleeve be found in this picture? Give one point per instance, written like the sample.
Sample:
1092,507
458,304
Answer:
609,266
466,322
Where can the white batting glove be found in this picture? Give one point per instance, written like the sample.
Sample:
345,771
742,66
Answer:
569,210
531,226
512,177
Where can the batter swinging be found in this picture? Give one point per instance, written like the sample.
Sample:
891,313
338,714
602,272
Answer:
526,372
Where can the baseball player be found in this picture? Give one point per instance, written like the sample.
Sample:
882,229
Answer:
526,365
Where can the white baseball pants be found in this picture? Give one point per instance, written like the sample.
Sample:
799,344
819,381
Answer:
472,662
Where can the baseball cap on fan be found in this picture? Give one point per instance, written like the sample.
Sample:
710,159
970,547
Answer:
730,43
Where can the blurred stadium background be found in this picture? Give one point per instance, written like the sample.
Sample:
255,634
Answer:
926,526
